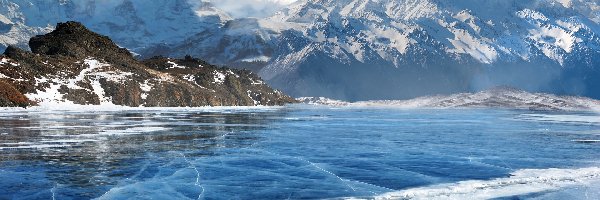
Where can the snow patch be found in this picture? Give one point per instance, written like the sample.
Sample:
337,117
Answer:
521,182
554,36
257,59
8,61
175,65
256,82
92,73
233,74
250,93
219,78
466,43
190,78
145,88
393,37
322,101
565,3
531,14
92,65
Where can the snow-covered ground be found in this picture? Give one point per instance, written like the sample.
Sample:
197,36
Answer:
520,182
493,98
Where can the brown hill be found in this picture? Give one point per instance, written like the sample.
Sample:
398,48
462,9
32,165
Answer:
73,64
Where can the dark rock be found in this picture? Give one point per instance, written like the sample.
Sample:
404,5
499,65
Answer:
75,40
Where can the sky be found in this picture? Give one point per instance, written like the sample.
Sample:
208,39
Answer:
251,8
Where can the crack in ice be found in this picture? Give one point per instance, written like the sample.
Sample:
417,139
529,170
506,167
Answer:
323,170
52,190
326,171
197,183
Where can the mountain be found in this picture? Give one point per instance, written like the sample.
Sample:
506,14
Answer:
498,97
133,24
74,65
385,49
357,49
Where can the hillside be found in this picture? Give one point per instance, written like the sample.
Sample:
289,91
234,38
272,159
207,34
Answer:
74,65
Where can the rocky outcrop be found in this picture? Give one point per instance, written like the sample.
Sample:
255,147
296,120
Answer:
73,64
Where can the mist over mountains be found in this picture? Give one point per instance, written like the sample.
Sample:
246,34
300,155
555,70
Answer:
353,49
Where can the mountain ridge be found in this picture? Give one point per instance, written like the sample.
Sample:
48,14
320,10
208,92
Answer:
497,97
360,50
77,66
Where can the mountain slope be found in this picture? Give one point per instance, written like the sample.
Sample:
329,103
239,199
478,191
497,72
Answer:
133,24
437,46
74,65
358,49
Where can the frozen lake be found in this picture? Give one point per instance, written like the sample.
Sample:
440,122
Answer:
299,152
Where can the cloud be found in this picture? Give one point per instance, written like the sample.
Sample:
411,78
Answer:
251,8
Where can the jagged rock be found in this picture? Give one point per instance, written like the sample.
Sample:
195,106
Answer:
73,64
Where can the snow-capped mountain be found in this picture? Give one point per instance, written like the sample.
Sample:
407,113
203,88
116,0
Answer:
73,65
133,24
357,49
361,49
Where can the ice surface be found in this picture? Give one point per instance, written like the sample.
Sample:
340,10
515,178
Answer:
297,152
